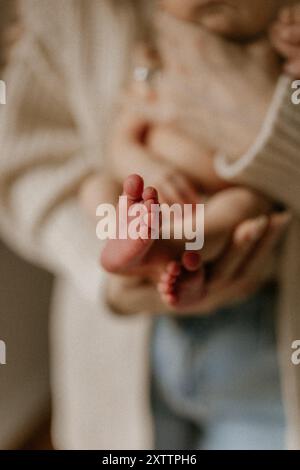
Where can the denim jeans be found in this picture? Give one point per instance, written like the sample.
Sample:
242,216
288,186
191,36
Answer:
216,380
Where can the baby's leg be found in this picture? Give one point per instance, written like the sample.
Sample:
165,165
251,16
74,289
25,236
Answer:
285,36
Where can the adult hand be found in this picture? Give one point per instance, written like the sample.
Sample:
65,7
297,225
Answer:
246,265
129,146
130,153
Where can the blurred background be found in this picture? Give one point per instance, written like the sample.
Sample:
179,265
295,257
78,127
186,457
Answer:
24,304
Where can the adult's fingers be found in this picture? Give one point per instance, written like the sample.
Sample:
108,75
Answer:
235,290
188,193
244,241
177,189
169,193
258,263
128,139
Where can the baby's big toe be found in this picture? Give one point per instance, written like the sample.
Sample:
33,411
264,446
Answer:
191,261
133,187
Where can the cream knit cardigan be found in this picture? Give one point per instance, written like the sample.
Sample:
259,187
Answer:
62,85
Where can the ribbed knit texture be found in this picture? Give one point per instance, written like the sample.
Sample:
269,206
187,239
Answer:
272,166
272,163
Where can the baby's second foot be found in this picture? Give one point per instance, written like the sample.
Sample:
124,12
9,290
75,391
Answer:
182,284
123,254
285,36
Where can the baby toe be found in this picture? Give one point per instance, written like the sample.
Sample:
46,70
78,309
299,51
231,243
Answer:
168,278
191,261
150,193
165,287
174,268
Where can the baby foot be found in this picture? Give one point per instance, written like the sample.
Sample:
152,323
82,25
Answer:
285,36
121,255
182,284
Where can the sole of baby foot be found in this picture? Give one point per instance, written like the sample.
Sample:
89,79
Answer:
182,285
122,254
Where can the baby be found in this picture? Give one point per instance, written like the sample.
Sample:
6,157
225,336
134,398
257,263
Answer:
244,20
181,282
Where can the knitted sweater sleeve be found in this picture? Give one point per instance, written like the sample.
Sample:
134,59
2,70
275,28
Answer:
272,164
47,149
